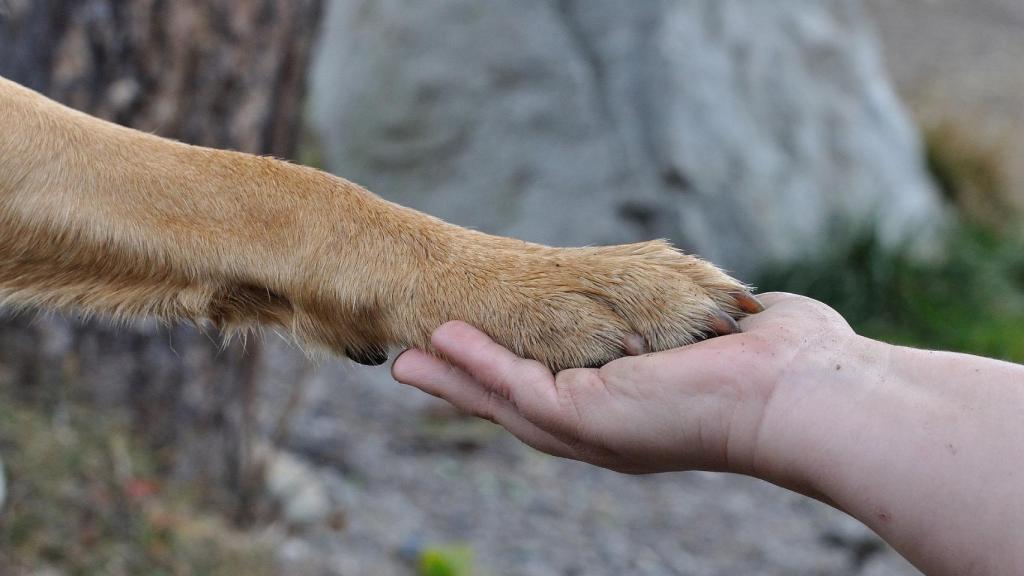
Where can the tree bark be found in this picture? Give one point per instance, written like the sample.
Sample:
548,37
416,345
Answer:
220,73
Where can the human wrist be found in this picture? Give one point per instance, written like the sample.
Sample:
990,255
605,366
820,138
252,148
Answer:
818,408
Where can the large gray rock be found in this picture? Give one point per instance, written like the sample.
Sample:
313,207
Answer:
750,132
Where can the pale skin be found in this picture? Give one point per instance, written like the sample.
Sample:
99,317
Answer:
926,448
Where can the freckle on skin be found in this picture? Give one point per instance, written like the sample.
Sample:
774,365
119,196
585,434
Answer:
839,367
952,449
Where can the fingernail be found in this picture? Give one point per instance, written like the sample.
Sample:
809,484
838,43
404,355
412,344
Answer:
394,362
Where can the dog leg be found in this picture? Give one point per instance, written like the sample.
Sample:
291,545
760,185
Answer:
104,219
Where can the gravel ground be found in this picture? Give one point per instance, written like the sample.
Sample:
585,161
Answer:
960,62
406,473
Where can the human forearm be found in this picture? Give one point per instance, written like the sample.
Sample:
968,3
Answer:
924,447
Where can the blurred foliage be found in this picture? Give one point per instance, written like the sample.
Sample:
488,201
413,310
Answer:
446,561
84,499
971,175
969,300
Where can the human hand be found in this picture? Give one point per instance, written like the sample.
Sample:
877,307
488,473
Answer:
923,447
698,407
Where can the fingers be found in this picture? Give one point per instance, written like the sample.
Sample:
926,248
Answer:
791,313
769,299
784,301
419,369
528,385
438,378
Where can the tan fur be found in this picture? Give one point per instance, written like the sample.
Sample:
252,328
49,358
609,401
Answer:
99,218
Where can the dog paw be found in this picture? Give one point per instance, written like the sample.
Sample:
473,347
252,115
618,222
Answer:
583,307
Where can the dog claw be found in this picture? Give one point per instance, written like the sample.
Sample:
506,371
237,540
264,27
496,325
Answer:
748,302
723,324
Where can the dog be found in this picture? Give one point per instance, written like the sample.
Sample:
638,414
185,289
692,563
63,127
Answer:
103,219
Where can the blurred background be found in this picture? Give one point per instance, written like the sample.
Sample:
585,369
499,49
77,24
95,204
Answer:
866,153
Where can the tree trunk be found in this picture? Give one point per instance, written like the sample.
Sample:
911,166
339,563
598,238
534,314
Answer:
221,73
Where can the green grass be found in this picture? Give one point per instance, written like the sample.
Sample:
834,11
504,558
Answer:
445,561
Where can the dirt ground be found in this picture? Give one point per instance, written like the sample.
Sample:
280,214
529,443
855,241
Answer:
962,64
